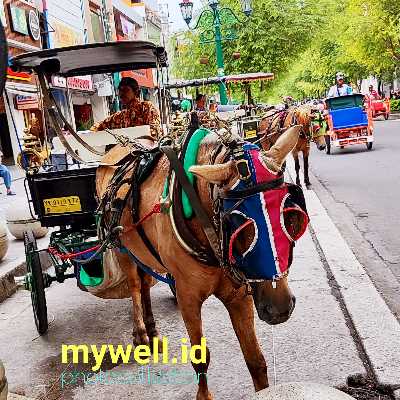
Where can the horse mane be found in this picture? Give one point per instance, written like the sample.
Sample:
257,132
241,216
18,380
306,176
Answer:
303,114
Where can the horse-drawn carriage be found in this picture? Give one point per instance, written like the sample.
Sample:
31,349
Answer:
65,198
349,122
148,207
246,116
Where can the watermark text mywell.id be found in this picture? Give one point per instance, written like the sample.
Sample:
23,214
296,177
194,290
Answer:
141,354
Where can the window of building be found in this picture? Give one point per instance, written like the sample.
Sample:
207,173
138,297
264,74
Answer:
97,24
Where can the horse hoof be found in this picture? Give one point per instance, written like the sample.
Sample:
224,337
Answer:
308,185
139,339
204,396
159,344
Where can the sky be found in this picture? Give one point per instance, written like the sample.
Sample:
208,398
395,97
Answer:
175,16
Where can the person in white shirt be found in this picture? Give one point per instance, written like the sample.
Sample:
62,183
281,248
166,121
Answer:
340,89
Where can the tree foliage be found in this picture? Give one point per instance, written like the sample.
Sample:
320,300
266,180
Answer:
304,43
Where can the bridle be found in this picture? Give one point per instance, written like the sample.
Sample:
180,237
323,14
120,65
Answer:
215,229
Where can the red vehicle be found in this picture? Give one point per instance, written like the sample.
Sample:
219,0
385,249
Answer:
378,107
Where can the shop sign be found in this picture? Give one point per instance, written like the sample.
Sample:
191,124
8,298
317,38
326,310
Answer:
3,14
34,25
26,102
18,20
64,36
19,76
83,83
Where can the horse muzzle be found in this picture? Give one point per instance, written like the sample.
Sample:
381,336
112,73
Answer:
270,310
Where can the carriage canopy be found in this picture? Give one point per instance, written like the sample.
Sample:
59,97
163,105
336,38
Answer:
94,58
244,78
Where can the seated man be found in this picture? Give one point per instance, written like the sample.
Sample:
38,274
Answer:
340,89
136,112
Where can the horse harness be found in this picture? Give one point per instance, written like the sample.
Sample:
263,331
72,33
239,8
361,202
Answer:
135,168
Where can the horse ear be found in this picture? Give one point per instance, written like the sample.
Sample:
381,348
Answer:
284,145
217,173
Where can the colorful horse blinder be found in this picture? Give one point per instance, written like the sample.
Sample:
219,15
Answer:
262,218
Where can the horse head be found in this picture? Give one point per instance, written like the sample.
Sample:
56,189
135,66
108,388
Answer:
261,222
317,134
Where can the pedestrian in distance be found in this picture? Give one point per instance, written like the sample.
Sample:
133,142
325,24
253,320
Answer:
200,102
6,175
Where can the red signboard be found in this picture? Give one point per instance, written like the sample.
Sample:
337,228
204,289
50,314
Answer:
144,77
80,83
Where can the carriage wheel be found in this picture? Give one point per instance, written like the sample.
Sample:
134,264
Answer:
172,285
369,145
328,144
34,279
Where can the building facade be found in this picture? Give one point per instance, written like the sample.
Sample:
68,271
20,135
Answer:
20,102
35,24
75,22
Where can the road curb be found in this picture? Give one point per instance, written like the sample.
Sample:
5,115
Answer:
8,285
13,396
7,282
377,328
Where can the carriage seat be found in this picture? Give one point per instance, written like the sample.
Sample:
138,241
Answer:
99,140
349,118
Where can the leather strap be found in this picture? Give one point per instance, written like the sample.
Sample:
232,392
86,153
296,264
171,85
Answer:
252,190
202,216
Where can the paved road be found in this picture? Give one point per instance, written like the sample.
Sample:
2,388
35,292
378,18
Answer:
367,184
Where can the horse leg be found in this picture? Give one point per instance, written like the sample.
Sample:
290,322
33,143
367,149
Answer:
190,306
148,317
297,167
306,153
241,312
139,332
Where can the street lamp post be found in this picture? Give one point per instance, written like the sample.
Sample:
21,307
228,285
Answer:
216,25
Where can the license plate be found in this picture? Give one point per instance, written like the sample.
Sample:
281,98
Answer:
61,205
250,134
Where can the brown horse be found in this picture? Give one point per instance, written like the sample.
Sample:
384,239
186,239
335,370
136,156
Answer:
275,122
195,281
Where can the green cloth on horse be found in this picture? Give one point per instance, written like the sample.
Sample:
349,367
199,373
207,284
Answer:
186,105
190,160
